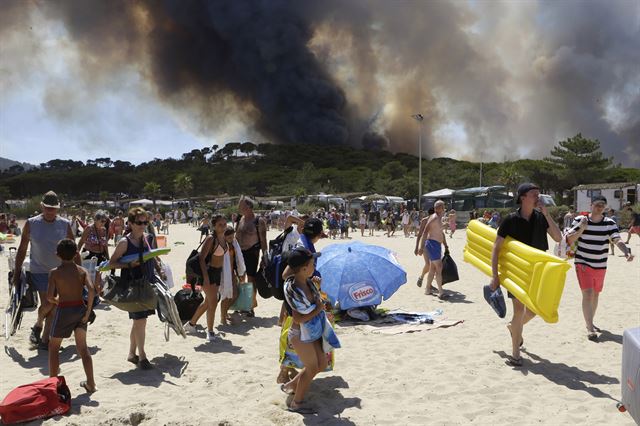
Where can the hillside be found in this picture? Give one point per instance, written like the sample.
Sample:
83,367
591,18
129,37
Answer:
270,170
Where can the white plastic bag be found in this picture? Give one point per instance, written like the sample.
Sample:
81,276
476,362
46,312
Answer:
167,271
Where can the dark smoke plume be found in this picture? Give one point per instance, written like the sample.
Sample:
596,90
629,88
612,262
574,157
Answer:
496,79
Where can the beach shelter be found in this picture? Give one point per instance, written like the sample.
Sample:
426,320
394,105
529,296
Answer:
141,202
440,193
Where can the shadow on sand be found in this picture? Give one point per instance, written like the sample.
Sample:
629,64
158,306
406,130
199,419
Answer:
325,396
40,359
219,346
242,325
167,364
564,375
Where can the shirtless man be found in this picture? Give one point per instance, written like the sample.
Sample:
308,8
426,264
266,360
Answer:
432,232
66,283
251,234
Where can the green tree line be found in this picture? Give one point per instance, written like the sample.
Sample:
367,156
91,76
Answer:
270,170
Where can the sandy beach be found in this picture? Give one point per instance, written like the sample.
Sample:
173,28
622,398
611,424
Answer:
454,375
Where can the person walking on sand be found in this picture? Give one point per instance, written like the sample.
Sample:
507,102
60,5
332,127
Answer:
43,233
212,256
634,224
95,242
432,233
425,255
452,222
134,242
307,334
529,226
66,284
593,233
362,222
251,233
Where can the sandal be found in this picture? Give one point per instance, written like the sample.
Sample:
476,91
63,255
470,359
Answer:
592,336
284,389
301,409
134,359
85,385
513,362
419,283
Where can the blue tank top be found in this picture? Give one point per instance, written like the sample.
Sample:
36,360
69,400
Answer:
44,237
146,269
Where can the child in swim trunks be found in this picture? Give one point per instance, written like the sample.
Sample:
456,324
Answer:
66,283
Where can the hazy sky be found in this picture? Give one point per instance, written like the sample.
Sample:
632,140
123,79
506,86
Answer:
494,79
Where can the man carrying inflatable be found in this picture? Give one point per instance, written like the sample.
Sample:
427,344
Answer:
529,226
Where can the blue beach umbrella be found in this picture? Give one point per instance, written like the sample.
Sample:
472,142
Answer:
357,274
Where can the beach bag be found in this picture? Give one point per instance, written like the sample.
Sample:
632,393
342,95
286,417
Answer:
244,302
449,269
187,302
193,262
30,294
38,400
272,267
130,294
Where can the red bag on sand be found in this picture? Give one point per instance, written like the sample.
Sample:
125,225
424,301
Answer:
38,400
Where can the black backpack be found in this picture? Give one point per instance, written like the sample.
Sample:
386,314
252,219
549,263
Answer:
269,280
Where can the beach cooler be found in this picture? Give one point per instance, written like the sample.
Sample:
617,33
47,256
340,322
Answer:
630,381
161,241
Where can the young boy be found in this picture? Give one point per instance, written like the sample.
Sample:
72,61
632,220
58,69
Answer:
66,283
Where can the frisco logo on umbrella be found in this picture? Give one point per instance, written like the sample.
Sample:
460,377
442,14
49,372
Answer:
362,292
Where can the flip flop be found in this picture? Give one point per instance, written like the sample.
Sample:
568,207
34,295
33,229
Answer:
85,385
419,283
134,359
593,337
285,390
444,296
513,362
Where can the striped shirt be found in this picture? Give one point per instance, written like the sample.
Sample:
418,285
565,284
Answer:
593,244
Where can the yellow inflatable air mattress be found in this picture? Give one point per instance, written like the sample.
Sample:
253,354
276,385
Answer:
534,277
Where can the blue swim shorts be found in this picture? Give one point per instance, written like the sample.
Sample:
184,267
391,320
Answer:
434,249
40,281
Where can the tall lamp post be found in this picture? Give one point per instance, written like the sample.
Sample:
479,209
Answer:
419,118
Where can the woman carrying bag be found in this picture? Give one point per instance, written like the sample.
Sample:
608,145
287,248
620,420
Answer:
94,240
136,242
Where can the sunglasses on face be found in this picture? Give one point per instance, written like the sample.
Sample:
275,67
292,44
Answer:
141,222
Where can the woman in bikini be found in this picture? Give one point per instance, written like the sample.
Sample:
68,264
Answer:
212,255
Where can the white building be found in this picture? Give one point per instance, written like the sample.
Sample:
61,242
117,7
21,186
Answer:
617,194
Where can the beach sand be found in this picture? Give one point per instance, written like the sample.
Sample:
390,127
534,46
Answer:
454,375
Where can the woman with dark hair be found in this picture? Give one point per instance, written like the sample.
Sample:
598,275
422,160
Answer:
137,240
212,259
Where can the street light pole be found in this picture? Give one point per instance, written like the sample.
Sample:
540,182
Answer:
419,118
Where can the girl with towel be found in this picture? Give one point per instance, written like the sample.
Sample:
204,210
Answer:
311,333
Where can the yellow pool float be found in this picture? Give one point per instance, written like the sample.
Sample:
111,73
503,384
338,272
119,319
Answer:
534,277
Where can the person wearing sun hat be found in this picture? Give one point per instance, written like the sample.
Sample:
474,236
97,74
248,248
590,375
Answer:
43,233
593,233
